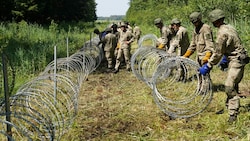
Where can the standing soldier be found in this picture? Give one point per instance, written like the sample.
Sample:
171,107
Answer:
181,40
202,39
125,40
137,32
166,34
101,36
117,34
110,44
228,45
129,28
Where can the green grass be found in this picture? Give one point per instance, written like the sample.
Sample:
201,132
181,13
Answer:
119,107
116,107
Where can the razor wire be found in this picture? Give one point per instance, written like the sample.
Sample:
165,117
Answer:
45,107
177,87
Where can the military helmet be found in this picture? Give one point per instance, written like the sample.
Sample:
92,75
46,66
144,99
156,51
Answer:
157,21
175,21
195,16
216,15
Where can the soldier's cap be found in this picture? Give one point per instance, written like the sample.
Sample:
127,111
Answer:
157,21
175,21
216,15
195,16
108,29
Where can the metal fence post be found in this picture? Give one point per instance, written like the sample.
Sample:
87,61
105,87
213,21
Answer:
6,94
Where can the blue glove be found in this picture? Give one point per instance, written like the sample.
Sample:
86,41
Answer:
204,69
223,65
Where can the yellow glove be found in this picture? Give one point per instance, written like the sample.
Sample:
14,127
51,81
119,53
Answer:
161,46
118,45
206,57
188,53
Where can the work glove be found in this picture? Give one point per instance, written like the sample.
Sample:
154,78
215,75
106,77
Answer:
161,46
204,69
223,65
188,53
206,57
118,46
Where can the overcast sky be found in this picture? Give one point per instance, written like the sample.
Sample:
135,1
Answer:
106,8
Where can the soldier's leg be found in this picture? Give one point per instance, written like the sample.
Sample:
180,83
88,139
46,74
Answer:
127,58
109,59
233,101
118,59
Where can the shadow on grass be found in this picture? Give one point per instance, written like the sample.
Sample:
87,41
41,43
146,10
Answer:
218,88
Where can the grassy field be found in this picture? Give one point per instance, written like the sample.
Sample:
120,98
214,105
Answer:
119,107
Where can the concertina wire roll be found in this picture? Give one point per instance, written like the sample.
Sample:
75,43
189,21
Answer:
177,87
38,114
41,111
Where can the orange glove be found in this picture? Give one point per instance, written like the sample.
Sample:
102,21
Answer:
188,53
206,57
118,46
161,46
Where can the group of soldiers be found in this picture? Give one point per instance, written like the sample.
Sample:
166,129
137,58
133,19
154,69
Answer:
116,43
226,50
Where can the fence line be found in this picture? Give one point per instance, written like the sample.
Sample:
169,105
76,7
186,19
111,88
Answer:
37,113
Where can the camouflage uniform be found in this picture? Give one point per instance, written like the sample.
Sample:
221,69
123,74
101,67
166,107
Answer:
137,33
117,34
166,34
202,40
125,40
180,41
110,44
228,43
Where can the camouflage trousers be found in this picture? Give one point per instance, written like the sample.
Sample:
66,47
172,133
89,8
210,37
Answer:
234,76
109,57
126,53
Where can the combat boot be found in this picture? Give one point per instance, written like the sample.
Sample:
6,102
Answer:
115,70
232,118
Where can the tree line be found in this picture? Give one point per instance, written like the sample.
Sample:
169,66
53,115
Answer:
144,11
43,11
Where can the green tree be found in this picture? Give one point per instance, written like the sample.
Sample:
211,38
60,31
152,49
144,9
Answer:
45,11
5,9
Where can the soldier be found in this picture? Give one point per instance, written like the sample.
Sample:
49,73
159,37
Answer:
124,47
110,44
117,34
202,39
129,28
166,34
137,32
180,40
228,44
101,36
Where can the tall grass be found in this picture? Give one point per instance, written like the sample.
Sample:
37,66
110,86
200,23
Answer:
118,106
30,47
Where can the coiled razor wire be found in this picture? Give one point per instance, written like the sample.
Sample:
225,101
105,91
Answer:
178,89
45,107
